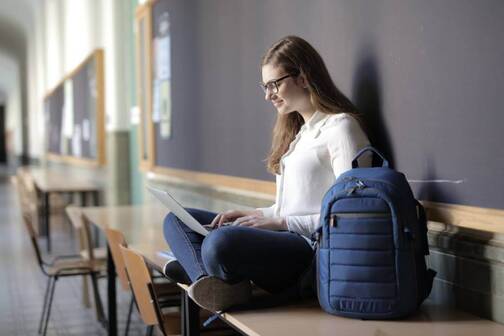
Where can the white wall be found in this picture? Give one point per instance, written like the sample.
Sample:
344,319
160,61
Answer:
115,35
35,81
53,43
74,29
60,35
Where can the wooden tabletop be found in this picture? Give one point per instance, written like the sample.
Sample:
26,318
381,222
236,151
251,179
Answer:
51,180
142,226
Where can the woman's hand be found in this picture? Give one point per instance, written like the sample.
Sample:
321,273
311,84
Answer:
261,222
231,216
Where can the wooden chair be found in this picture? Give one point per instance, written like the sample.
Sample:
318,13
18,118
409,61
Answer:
88,252
87,246
28,197
140,279
61,266
168,293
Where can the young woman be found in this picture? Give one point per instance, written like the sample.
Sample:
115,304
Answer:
315,137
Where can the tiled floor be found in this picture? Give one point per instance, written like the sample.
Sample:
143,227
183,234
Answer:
22,284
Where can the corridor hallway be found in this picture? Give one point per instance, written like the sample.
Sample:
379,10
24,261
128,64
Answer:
22,284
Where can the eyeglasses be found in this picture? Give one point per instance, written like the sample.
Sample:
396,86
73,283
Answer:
272,85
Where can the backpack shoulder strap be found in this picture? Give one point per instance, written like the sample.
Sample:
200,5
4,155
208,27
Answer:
422,227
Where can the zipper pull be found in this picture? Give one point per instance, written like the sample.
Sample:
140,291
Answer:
351,191
332,221
358,185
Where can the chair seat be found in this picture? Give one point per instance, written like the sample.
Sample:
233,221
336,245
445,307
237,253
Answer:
76,265
99,253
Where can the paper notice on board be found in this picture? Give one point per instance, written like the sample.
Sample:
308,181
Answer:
155,102
68,111
93,85
86,133
165,109
77,141
163,58
162,47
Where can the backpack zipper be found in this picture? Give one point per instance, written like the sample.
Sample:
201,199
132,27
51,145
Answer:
358,186
334,217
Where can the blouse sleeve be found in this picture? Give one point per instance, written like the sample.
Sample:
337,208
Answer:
272,210
269,211
346,139
304,225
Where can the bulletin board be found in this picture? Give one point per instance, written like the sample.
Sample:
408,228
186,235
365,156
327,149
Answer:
168,108
75,116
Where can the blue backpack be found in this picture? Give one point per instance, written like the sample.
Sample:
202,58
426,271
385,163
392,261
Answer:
372,245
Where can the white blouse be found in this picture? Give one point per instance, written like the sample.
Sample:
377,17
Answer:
323,149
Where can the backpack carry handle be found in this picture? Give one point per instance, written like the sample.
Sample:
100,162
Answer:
355,163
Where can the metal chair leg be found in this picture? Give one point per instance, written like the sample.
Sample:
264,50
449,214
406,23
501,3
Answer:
100,315
51,296
149,331
44,307
86,302
130,311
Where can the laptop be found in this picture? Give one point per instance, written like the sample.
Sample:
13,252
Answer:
178,210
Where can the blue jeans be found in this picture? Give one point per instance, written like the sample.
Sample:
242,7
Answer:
273,260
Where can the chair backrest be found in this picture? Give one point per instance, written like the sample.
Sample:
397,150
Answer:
27,219
141,285
81,223
115,240
27,196
74,213
20,190
27,186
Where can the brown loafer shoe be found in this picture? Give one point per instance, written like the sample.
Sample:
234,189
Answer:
214,294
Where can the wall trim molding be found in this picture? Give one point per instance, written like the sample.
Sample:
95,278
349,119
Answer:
474,222
239,185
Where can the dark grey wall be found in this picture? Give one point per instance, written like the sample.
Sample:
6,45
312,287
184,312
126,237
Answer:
84,107
182,149
427,75
53,105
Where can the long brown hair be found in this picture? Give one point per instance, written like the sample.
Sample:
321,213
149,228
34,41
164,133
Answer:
298,57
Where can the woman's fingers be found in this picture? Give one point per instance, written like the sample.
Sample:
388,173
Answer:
224,218
215,221
244,219
247,221
240,220
238,216
221,218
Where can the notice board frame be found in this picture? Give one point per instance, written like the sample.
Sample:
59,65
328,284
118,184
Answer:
98,57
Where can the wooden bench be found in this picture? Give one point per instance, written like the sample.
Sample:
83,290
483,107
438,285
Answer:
142,227
307,318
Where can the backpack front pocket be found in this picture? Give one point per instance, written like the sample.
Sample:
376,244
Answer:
362,265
